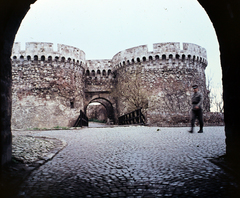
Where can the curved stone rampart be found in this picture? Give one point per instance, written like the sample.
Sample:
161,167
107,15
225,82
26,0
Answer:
160,81
40,51
161,51
51,86
46,92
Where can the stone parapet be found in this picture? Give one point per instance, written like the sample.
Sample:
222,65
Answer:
46,93
39,51
98,68
51,86
163,52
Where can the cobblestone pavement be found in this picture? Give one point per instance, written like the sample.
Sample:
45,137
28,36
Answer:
33,149
28,153
133,162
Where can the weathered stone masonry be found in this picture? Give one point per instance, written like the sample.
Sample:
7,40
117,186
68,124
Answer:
167,75
50,87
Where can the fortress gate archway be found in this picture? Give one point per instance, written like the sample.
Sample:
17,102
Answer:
107,104
225,16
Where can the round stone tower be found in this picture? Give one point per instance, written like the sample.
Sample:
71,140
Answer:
48,85
160,82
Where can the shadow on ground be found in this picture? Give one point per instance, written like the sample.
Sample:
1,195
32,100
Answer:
13,175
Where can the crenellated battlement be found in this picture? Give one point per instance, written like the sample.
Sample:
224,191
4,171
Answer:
101,67
40,51
51,85
161,52
98,75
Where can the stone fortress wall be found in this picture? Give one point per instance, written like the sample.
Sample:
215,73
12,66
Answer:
50,87
165,76
44,51
98,75
161,51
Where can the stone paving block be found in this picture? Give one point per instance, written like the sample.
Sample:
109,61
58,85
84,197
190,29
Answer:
128,162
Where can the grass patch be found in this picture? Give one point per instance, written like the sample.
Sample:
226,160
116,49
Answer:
36,129
65,128
96,120
62,128
44,129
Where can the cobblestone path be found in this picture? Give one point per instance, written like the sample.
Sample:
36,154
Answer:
133,162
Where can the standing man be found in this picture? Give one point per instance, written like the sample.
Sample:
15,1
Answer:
196,112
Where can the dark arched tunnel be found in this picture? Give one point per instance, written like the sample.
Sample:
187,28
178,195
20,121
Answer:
225,16
108,106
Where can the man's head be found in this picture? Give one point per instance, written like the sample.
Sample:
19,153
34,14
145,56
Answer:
195,88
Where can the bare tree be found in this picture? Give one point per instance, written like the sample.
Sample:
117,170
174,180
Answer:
131,91
209,87
175,96
215,95
218,101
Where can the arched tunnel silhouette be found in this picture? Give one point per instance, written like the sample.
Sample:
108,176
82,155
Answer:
107,104
225,16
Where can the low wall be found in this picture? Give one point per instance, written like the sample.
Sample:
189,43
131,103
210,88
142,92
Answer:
183,119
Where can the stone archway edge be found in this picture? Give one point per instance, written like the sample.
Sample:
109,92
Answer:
225,16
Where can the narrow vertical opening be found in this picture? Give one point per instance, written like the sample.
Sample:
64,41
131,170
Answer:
72,104
104,72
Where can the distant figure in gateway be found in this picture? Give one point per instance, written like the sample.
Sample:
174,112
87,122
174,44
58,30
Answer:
196,112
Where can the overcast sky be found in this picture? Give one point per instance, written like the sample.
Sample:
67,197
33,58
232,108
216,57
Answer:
101,28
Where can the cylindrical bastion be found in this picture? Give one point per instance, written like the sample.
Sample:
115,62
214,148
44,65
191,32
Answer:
160,81
50,86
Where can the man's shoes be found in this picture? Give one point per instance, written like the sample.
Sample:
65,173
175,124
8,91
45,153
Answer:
200,131
191,131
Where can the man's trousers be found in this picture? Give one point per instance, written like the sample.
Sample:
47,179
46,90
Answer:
197,114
